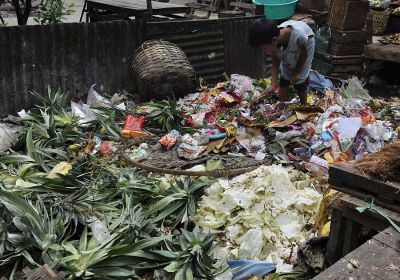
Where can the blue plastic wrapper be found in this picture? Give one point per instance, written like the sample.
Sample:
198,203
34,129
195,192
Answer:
243,269
319,83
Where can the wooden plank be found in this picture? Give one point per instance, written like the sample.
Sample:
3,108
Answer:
340,60
383,52
341,271
344,175
137,7
394,206
351,203
353,62
336,238
377,258
348,68
351,233
42,273
230,14
339,36
390,237
354,56
202,7
352,48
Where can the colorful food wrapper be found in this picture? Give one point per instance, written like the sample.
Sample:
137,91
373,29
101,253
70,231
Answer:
169,140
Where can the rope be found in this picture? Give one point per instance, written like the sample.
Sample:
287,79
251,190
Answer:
371,207
213,173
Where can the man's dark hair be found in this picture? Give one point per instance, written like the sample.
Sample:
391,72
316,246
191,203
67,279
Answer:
262,31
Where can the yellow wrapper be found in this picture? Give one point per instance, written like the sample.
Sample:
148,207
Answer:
62,168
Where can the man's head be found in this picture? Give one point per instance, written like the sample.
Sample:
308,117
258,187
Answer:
264,33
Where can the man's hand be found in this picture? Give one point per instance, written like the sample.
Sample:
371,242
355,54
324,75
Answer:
295,78
269,90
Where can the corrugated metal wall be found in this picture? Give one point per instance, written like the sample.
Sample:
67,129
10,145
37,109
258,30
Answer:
70,56
73,56
204,47
214,47
242,58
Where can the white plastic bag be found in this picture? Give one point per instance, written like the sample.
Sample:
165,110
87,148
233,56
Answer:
240,84
251,244
356,90
99,230
83,112
94,99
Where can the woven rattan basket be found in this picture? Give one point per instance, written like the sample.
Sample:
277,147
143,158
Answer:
162,69
319,9
379,21
315,5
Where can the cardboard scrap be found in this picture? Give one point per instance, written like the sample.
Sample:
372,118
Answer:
284,123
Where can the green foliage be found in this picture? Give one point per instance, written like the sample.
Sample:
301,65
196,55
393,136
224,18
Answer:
191,257
177,203
53,11
51,220
166,113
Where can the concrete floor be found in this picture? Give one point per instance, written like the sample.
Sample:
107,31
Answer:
10,18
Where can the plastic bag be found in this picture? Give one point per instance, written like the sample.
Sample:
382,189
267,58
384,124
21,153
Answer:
379,131
94,99
319,83
100,231
140,153
240,84
243,269
355,90
251,244
190,151
7,138
83,112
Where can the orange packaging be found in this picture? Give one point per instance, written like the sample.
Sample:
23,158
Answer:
133,127
367,116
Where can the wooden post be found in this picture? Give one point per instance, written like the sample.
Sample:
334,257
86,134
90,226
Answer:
149,7
336,237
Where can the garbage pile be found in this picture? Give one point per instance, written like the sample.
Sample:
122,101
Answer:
236,119
69,200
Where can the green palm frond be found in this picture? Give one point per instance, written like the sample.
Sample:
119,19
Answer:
177,203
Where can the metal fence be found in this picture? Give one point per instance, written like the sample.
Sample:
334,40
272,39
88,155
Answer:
74,56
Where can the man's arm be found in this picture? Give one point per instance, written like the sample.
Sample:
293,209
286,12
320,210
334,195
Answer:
274,71
300,64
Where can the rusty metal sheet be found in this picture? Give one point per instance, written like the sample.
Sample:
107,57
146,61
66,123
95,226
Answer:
71,56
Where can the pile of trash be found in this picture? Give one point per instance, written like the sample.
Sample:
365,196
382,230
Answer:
237,119
69,201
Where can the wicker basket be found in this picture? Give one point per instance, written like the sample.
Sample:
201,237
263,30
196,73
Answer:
319,9
379,21
162,69
314,5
